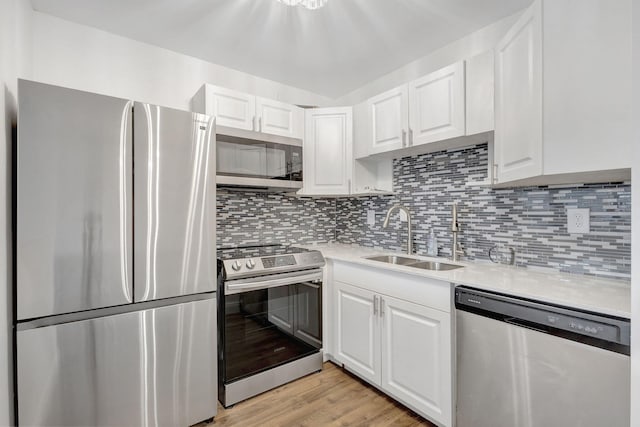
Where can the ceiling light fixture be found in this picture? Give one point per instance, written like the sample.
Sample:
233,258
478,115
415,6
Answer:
309,4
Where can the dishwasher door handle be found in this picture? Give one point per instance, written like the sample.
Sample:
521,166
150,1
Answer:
517,322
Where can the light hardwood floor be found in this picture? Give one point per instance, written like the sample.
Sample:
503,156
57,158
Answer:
332,397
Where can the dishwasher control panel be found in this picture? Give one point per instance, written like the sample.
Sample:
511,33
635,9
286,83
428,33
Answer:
581,326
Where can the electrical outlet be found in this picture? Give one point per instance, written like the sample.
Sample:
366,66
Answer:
578,221
371,217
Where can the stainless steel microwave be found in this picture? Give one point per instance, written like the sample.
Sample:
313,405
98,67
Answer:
257,160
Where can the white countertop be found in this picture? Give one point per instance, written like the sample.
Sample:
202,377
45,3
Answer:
606,296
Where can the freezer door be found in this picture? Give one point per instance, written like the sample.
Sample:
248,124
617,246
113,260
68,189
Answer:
174,186
154,367
74,201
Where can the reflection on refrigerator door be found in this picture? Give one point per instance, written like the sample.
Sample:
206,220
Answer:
74,245
126,369
174,250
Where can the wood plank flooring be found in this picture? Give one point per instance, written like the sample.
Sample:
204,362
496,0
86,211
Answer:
332,397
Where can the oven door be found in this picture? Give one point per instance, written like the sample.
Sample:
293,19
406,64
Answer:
269,321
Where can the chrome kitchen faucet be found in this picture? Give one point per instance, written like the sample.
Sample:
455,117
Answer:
409,237
456,250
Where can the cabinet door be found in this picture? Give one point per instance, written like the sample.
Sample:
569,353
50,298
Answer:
278,118
357,333
388,120
231,108
361,131
518,103
416,357
328,158
436,105
479,93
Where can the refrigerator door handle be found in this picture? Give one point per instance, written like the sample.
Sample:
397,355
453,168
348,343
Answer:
126,163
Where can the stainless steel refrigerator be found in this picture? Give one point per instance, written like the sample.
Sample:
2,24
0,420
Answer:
115,261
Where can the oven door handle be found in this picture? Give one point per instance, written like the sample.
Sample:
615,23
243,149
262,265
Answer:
311,285
246,285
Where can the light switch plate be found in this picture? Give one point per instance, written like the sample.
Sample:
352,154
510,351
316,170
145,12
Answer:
578,221
371,217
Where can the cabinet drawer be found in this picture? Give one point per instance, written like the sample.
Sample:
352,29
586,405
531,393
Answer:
420,290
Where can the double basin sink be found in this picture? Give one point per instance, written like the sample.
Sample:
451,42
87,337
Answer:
414,262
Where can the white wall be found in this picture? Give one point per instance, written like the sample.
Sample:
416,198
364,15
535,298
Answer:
635,227
15,60
73,55
475,43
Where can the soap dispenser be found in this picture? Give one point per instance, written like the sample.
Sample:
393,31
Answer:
432,244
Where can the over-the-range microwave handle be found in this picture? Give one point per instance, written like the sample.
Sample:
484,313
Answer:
254,284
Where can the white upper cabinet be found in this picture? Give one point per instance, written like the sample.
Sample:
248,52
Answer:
479,88
429,109
230,107
243,111
361,130
563,94
388,120
436,105
328,157
334,164
518,136
279,118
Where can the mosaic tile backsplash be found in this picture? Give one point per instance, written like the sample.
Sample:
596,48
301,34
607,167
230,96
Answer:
252,218
531,220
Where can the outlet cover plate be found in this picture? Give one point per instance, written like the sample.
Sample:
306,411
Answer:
578,221
371,217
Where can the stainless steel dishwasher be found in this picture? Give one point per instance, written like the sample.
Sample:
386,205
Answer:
523,363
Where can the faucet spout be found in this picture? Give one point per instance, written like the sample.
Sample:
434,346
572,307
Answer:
385,224
455,229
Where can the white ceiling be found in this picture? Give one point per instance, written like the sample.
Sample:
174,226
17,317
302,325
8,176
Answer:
329,51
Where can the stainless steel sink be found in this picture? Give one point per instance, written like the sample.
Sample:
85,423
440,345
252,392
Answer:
436,266
414,262
393,259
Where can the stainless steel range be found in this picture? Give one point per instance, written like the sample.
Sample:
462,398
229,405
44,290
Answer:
269,318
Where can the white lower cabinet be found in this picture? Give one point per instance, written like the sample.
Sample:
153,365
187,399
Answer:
357,335
416,355
401,347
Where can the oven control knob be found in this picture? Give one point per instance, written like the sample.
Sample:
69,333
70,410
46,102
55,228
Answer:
236,265
250,264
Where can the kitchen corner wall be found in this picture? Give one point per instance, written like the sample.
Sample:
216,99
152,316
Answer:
531,220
